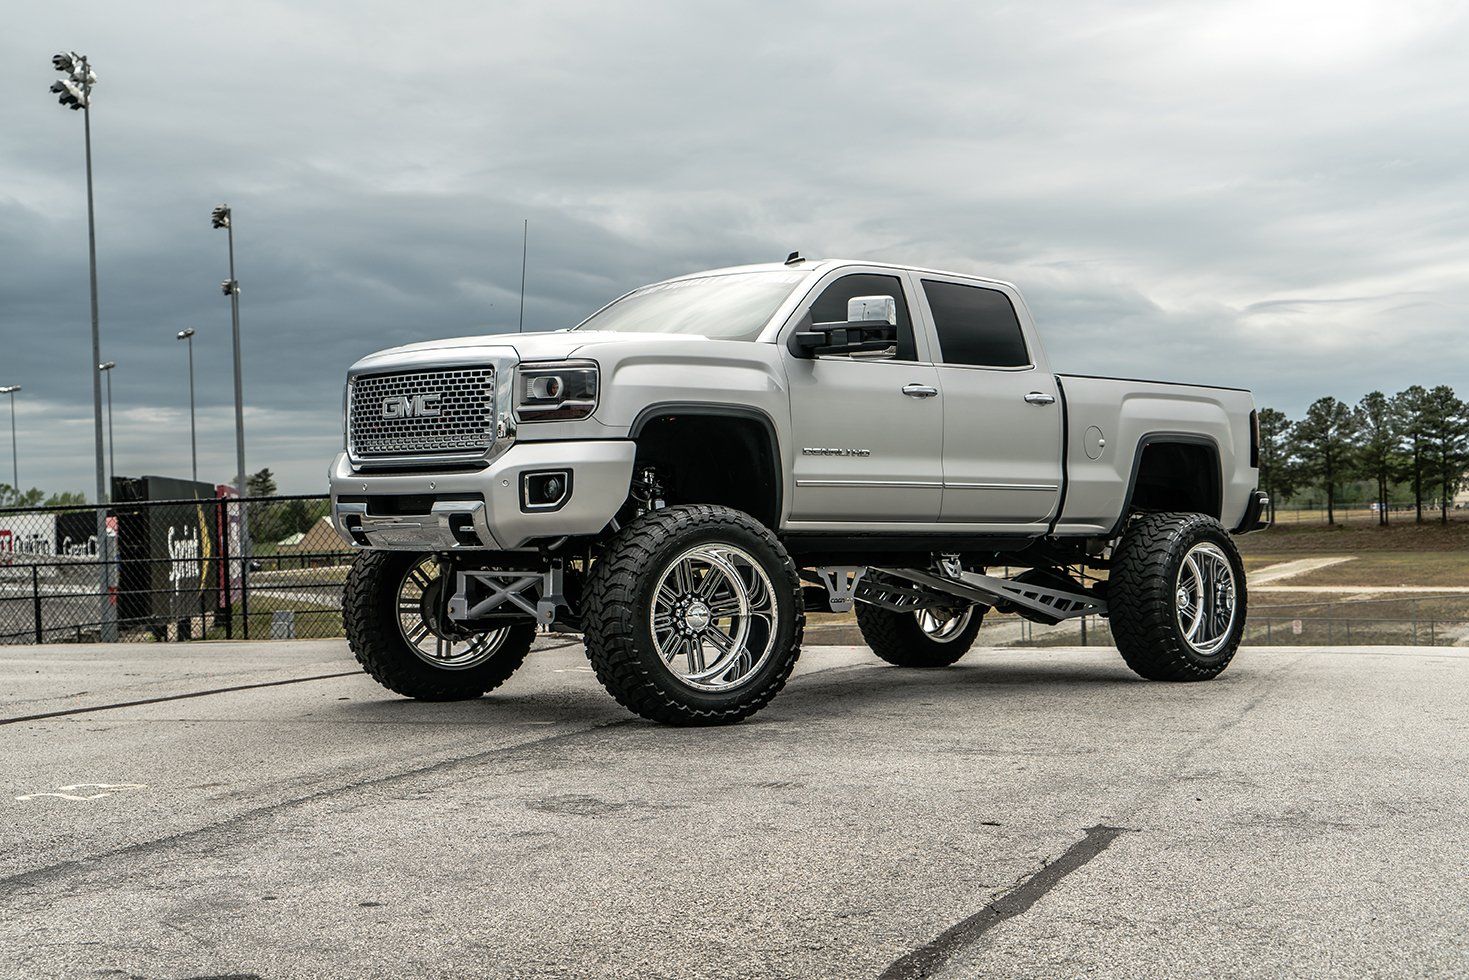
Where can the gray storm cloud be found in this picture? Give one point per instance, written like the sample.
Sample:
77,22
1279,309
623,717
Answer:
1231,193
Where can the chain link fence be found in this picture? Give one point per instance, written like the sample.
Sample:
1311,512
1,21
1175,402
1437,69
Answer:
149,571
273,568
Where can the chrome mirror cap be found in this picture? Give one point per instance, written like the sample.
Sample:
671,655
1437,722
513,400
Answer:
870,308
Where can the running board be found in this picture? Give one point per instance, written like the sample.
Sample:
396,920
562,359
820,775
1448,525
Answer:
1046,605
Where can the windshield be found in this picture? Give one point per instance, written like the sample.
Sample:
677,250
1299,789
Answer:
729,307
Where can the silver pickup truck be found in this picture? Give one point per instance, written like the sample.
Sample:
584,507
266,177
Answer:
681,476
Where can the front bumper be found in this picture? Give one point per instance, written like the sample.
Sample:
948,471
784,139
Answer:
481,509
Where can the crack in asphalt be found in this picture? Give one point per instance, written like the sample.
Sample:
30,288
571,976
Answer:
211,691
36,875
929,957
174,697
924,961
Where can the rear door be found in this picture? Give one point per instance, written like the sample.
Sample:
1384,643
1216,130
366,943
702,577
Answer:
1002,410
868,430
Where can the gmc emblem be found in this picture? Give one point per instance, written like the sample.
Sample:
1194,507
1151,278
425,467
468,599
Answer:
411,407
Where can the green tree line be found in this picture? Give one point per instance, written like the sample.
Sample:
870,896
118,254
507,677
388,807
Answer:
11,497
1416,441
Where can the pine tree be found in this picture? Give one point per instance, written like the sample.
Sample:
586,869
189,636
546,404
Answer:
1410,405
1325,440
261,484
1378,452
1446,443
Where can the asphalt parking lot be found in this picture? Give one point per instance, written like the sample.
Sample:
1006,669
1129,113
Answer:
264,810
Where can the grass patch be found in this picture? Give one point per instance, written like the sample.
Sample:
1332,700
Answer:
1429,569
314,621
1357,537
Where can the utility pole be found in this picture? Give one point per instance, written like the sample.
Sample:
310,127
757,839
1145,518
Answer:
14,451
106,368
187,334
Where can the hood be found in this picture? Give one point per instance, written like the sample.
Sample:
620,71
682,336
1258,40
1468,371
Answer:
537,346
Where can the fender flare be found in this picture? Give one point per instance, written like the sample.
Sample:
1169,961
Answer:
721,409
1169,438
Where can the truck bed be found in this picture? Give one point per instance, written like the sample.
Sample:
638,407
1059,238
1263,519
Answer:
1108,423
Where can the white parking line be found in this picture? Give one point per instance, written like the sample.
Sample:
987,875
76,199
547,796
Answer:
68,792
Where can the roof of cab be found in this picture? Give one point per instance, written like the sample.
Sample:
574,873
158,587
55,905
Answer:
826,265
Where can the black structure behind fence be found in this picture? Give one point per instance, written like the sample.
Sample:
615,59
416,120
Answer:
216,568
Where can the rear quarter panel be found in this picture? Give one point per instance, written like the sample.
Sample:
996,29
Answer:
1124,414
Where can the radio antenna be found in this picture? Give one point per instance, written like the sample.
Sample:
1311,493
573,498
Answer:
524,246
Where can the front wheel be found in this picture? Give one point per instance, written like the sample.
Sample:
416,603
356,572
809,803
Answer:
390,608
694,616
1176,597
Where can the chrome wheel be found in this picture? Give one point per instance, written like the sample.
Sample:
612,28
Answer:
1205,598
426,635
944,625
713,617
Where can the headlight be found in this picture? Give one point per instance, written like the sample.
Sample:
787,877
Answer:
555,391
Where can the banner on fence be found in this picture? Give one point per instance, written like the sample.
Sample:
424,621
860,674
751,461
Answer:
25,538
167,550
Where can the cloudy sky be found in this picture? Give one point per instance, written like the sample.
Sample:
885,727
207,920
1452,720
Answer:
1267,194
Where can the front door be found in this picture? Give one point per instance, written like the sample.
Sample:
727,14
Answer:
868,431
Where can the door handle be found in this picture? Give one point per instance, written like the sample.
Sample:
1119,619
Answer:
920,391
1040,398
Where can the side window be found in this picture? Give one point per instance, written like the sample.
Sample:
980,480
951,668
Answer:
831,305
975,325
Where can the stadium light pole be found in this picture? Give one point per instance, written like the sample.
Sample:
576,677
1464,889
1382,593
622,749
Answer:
106,368
75,92
14,450
223,217
187,334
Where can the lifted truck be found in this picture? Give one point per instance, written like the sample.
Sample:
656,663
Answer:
684,474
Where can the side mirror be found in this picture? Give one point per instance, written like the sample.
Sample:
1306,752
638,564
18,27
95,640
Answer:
871,325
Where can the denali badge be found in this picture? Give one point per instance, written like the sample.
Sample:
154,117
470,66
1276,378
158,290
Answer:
835,452
411,407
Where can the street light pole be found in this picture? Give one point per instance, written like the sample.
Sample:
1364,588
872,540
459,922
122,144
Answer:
75,92
188,335
106,368
14,451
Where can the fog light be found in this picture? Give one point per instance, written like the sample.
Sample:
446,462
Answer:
546,490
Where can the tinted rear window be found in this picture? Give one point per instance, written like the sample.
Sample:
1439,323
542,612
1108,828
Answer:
976,325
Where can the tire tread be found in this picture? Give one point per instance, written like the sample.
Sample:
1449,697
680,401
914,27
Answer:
1140,600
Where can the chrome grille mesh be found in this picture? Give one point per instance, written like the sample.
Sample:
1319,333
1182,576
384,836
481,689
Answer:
465,421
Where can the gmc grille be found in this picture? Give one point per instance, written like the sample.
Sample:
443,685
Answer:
389,415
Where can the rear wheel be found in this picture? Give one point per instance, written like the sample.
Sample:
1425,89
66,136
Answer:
1176,597
391,610
693,616
927,638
